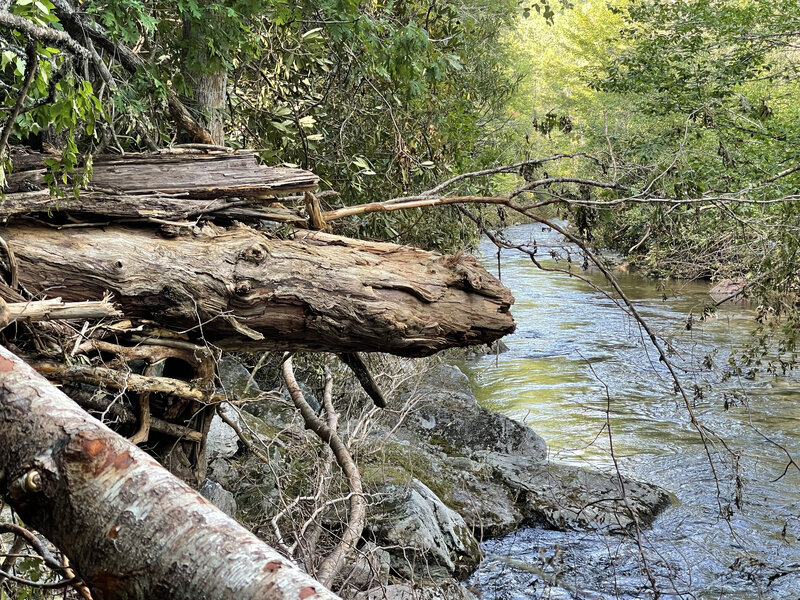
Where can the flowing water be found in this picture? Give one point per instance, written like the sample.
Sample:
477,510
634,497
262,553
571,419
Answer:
578,363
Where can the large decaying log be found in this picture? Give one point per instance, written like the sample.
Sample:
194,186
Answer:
244,291
214,175
131,529
129,207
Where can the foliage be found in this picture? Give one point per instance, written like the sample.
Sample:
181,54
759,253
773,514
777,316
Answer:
692,104
379,98
58,98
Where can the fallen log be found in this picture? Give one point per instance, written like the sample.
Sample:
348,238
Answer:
143,207
213,175
130,529
242,291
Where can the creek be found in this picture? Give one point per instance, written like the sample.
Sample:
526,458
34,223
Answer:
578,365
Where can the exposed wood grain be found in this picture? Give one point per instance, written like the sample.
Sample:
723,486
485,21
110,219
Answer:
213,175
198,176
317,292
144,207
56,309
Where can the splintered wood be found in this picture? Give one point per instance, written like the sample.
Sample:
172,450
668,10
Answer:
214,175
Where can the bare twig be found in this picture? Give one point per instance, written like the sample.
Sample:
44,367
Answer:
31,540
333,563
506,169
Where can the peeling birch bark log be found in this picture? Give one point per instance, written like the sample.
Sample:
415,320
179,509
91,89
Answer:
243,291
130,529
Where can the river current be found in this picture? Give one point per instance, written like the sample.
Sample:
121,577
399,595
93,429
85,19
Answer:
578,364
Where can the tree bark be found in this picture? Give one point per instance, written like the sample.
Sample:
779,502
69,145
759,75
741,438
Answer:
130,529
152,208
214,175
245,292
208,84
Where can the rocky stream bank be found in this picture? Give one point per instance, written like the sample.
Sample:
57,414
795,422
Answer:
442,474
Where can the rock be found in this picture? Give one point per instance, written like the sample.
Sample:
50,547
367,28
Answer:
235,378
223,472
424,537
450,417
444,590
726,288
487,506
219,497
466,486
566,497
222,440
369,568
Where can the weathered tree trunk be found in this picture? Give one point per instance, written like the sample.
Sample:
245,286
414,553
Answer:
208,78
129,207
213,175
129,528
244,291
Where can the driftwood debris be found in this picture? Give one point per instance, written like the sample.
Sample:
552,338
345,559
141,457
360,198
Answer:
177,239
180,244
244,291
198,176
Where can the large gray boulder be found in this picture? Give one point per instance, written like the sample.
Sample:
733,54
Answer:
492,470
425,538
449,416
486,503
566,497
